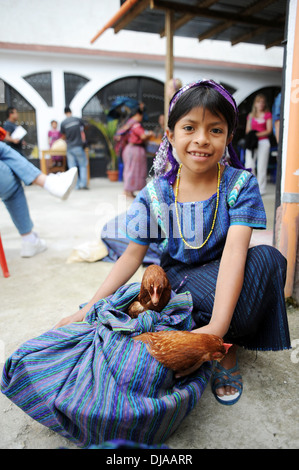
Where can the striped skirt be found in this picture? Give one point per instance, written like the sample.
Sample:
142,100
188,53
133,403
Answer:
135,167
260,319
92,383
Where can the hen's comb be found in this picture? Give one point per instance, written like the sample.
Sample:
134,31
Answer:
227,346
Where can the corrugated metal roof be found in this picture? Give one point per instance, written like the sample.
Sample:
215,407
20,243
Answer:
256,22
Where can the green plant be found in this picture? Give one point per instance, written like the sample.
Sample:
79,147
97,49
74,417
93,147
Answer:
108,131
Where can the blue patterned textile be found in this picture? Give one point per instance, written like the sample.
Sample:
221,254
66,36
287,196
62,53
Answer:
260,318
152,219
92,383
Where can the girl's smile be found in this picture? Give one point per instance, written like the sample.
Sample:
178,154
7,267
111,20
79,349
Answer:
200,156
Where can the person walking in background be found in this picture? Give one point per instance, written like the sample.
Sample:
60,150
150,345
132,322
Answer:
72,130
276,110
134,154
10,126
53,135
259,120
14,170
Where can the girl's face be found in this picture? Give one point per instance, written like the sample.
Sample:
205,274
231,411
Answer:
199,139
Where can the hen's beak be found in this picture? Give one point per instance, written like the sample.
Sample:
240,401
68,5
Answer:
227,346
155,297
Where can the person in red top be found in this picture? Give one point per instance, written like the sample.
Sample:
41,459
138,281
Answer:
134,155
259,120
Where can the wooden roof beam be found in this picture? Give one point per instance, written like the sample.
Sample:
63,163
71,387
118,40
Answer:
256,32
128,5
215,30
257,6
278,42
188,16
249,35
252,9
212,14
131,15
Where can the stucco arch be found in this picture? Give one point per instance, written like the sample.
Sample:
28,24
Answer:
243,93
39,105
94,86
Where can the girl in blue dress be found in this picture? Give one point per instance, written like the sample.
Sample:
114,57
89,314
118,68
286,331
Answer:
200,209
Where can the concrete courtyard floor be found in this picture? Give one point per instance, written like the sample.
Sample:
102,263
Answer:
45,288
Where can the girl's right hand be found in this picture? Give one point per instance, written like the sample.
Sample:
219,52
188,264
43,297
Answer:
76,317
122,271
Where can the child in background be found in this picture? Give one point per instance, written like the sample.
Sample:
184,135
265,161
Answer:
54,135
201,208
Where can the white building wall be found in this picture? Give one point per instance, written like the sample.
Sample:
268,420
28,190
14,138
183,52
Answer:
102,70
49,34
74,23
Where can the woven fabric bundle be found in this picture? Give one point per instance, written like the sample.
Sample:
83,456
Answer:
91,382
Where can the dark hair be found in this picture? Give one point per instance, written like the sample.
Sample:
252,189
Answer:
134,111
10,110
211,96
207,98
67,109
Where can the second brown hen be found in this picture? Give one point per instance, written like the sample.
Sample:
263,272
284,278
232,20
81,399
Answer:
182,350
155,292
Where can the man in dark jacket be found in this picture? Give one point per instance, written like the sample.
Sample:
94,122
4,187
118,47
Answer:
10,126
72,130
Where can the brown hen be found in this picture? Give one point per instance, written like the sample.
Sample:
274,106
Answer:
183,351
155,291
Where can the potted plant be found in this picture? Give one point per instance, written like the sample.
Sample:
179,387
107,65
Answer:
108,131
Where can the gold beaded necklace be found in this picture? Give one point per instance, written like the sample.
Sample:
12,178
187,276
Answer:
177,214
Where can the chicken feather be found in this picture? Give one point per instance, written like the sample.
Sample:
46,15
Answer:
183,350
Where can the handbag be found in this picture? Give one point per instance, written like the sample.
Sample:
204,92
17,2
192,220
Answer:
251,140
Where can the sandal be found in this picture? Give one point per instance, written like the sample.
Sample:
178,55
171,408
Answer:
225,377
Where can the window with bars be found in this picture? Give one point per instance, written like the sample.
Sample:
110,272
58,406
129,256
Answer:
42,83
72,85
142,89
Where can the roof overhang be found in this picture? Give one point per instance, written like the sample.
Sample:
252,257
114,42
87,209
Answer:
255,22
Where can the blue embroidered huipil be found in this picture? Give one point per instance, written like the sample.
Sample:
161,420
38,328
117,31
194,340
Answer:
152,217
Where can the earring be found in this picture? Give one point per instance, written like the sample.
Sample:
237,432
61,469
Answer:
175,154
225,159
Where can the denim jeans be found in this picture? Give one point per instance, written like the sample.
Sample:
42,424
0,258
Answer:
13,169
18,164
76,157
12,194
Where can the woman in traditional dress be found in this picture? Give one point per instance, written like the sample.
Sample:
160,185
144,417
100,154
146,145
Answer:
134,154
